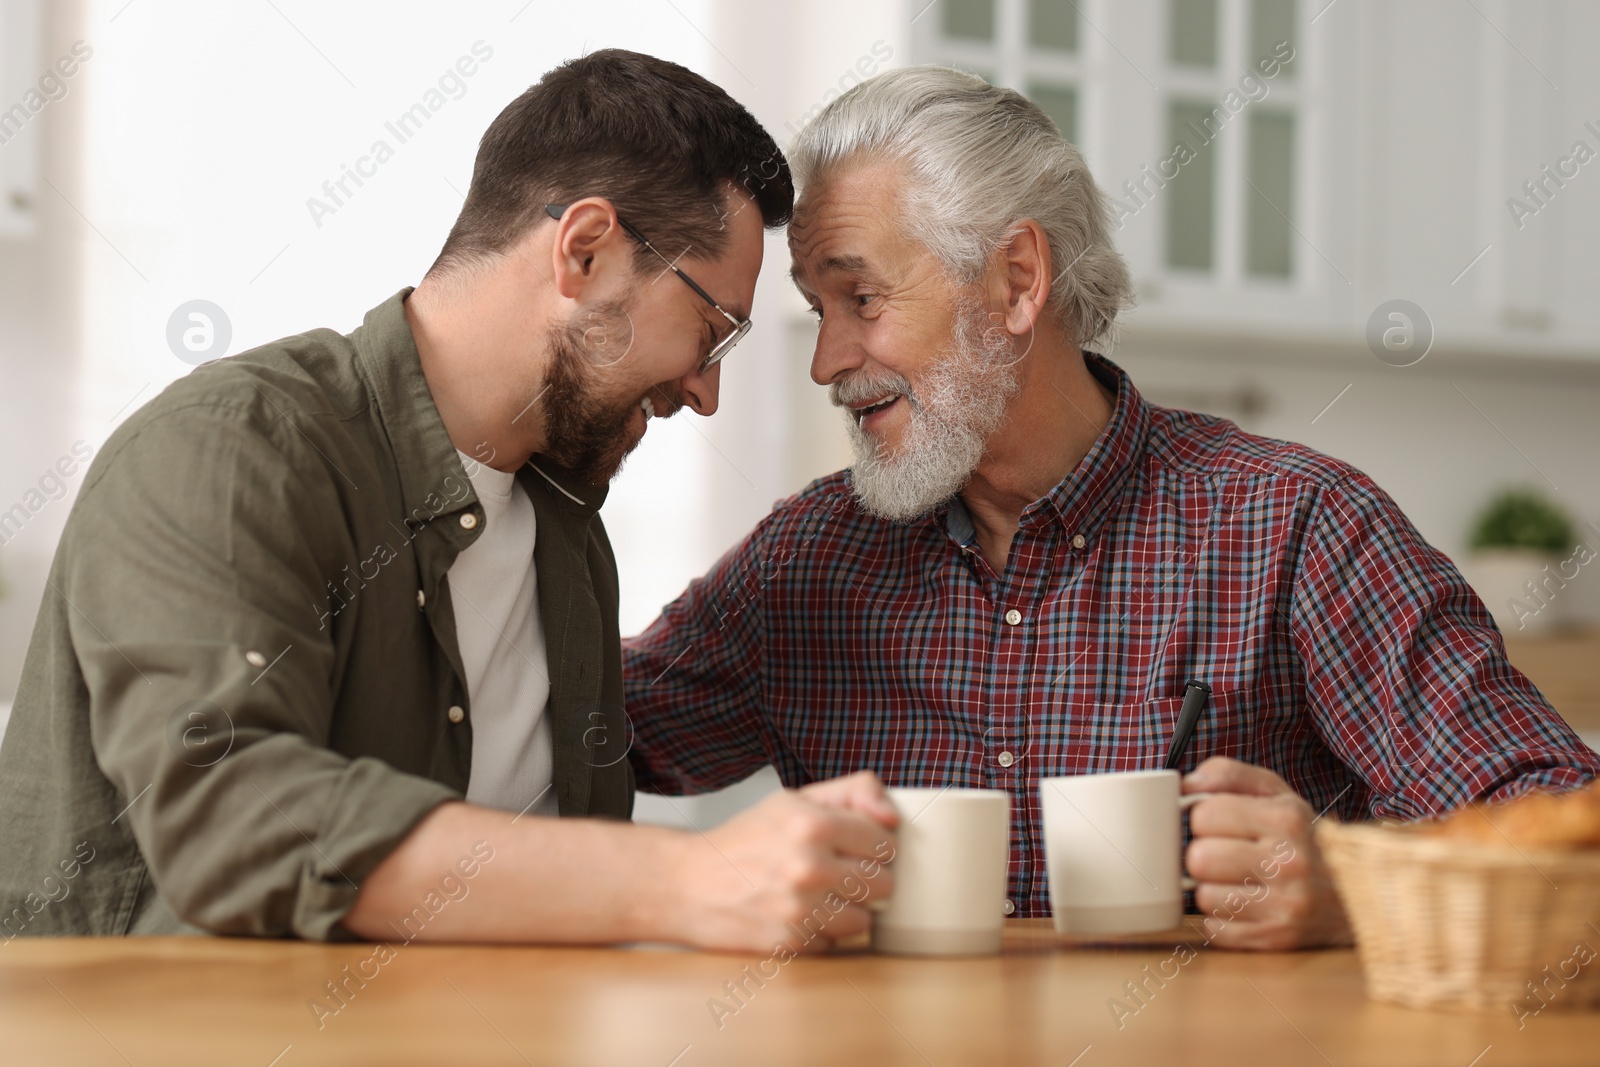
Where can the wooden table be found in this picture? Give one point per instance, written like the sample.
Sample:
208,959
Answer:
226,1001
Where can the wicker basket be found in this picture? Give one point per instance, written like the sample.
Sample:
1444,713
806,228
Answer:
1450,924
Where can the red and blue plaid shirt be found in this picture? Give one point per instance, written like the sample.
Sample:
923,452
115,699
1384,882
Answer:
1343,651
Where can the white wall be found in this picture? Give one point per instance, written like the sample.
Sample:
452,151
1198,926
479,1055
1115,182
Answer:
40,330
179,166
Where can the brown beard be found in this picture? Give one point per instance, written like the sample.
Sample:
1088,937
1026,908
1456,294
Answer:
584,433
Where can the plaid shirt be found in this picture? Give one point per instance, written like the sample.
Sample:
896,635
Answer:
1343,651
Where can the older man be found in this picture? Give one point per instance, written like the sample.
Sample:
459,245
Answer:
1027,561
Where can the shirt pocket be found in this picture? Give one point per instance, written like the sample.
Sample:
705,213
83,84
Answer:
1093,738
1226,726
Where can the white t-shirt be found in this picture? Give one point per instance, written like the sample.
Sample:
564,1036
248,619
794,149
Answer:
495,592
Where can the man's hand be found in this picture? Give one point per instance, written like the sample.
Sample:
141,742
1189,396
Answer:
861,792
798,869
1257,865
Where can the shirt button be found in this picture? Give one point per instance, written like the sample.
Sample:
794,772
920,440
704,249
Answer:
456,714
469,521
422,600
255,659
1078,541
1006,759
1011,909
1013,617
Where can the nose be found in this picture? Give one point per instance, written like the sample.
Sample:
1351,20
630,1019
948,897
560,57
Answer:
700,390
836,355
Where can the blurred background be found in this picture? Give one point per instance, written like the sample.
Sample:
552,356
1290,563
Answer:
1379,237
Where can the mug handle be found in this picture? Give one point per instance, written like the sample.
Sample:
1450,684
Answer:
1185,802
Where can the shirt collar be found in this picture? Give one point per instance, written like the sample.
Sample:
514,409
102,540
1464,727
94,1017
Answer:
1081,499
432,480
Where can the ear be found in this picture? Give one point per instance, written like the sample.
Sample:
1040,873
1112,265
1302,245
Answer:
589,248
1020,279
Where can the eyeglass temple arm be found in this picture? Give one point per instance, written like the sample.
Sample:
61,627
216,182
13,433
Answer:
555,211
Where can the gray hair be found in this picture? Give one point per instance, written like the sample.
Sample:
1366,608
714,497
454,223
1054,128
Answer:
980,159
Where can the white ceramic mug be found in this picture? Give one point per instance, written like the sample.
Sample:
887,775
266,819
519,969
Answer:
950,870
1112,851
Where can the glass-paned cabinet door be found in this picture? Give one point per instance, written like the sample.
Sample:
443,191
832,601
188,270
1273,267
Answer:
968,20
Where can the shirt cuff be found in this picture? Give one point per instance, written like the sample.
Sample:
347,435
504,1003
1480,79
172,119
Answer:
373,809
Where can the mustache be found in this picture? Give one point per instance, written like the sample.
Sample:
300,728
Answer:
863,386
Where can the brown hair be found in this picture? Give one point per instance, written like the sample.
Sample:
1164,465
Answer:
656,139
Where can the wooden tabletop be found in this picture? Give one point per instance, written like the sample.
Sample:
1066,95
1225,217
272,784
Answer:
1044,1000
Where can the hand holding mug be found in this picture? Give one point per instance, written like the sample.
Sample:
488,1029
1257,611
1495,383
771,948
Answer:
1258,868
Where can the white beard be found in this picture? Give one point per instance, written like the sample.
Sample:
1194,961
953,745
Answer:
961,402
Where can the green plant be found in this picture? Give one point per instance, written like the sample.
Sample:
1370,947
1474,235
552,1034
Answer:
1521,518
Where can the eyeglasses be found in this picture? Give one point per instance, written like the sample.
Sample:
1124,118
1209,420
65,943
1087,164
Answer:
740,326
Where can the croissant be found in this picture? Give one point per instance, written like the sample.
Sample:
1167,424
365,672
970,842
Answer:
1534,820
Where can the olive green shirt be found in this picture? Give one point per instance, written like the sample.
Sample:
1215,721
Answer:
244,686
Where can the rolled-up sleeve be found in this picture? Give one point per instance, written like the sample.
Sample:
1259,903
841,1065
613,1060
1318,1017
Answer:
201,551
1406,675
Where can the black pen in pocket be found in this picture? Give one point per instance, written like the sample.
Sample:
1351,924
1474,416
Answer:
1195,695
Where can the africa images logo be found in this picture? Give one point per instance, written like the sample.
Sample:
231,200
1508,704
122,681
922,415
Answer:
336,191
